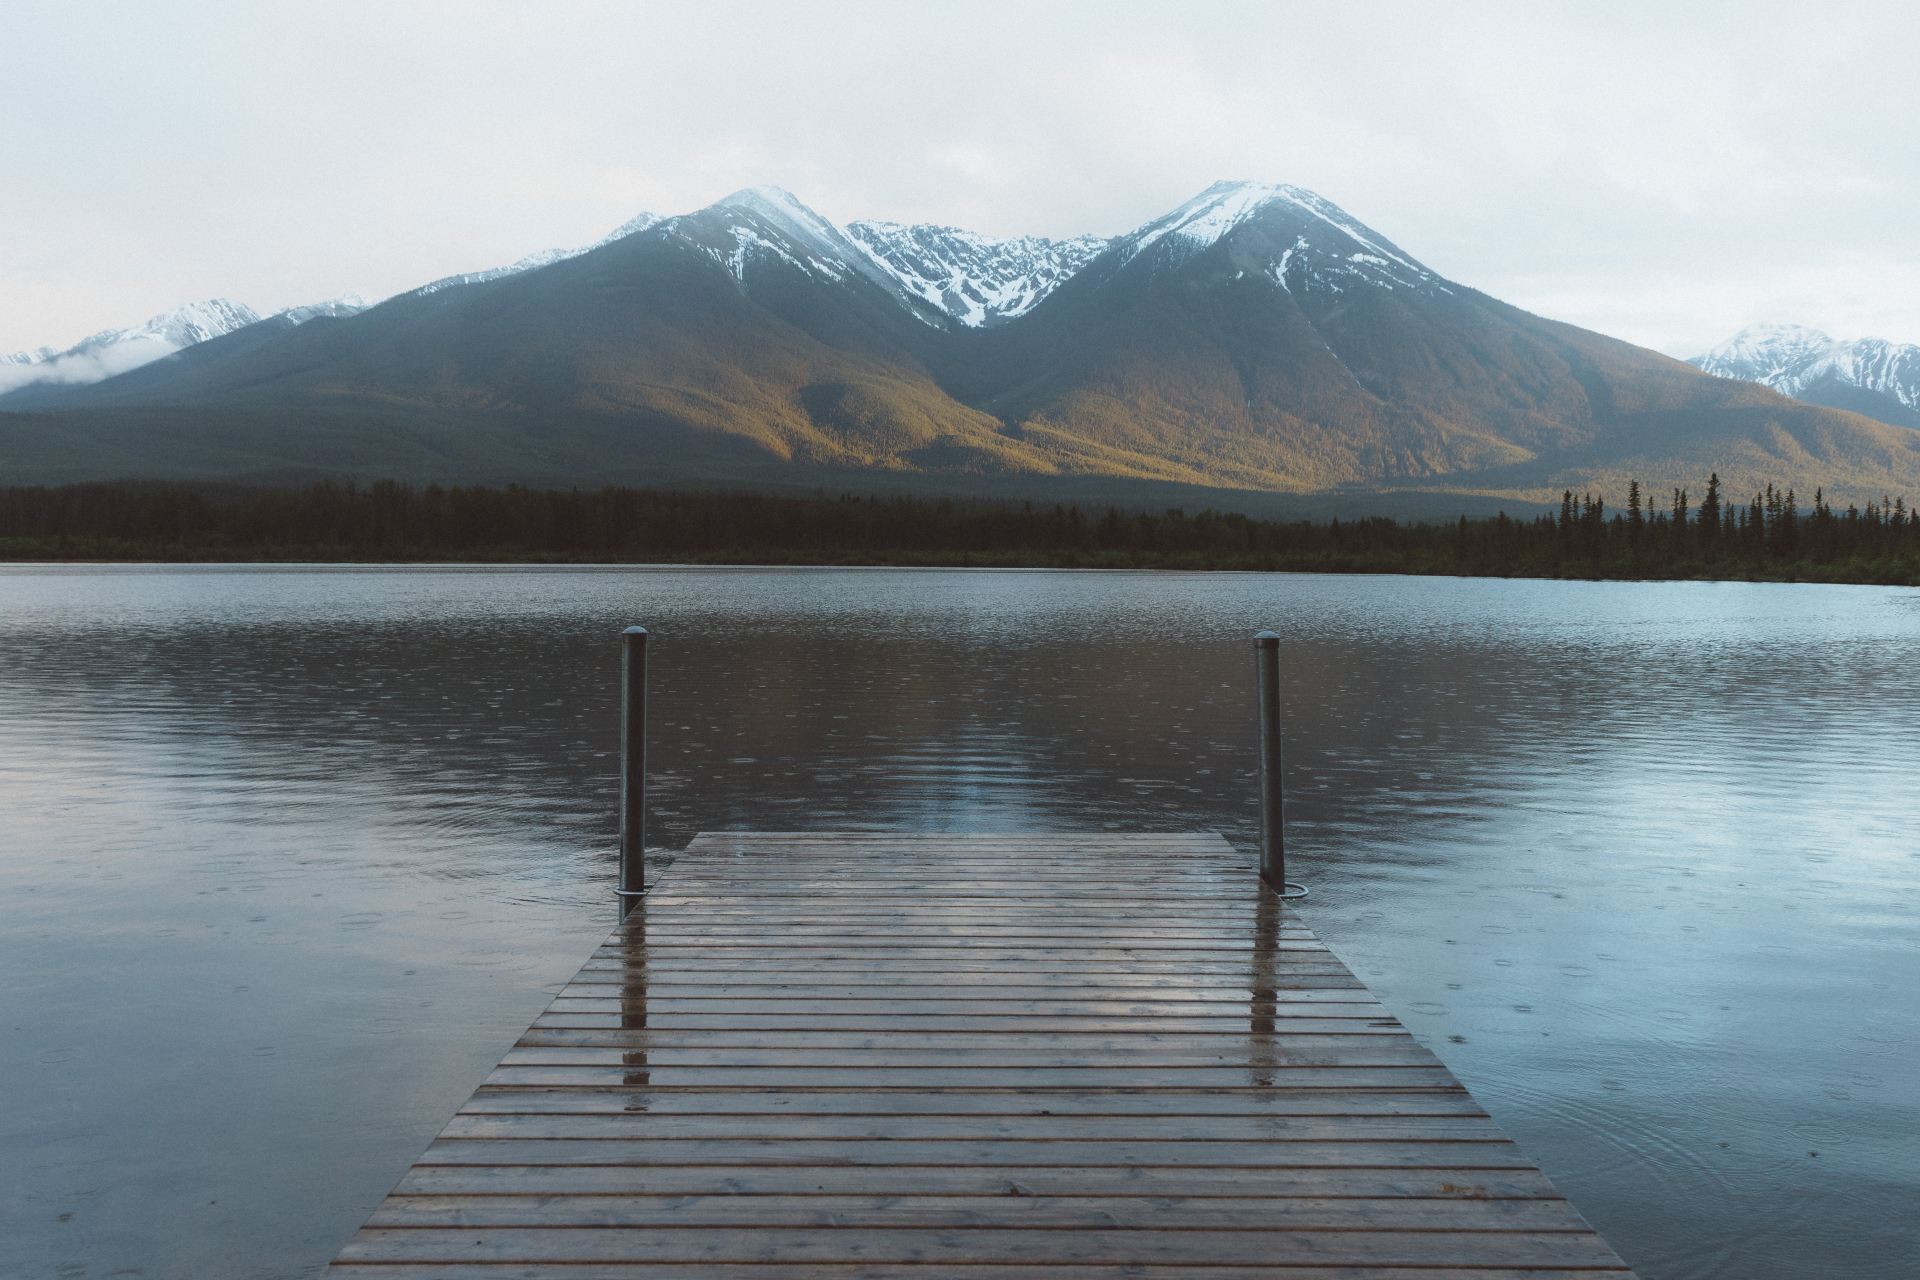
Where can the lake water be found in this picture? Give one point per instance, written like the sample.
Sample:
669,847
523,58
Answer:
288,858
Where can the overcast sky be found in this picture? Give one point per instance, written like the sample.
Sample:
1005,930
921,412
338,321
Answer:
1663,172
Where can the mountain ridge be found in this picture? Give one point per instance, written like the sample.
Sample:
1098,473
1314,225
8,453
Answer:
1255,338
1873,376
975,279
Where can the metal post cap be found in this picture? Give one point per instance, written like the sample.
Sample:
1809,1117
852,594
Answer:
1266,639
635,631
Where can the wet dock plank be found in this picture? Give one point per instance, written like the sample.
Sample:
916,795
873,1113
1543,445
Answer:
973,1057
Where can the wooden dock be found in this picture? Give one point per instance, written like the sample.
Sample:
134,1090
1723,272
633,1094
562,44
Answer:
972,1057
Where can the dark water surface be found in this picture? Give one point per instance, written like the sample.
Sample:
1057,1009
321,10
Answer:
289,858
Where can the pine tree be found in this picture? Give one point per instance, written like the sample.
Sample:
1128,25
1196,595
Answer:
1710,512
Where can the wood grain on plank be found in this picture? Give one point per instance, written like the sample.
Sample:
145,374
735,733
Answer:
835,1055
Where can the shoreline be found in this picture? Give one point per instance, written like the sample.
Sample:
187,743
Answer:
1773,538
1719,572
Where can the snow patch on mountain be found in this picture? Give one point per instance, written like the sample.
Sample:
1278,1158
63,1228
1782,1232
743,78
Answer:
182,327
347,304
942,275
1207,218
631,227
116,351
1793,359
976,279
1203,220
751,229
1768,353
1329,250
794,223
532,262
938,274
543,258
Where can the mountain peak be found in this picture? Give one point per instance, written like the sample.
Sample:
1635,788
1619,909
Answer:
765,225
1295,238
1210,216
783,210
1766,352
1225,205
766,197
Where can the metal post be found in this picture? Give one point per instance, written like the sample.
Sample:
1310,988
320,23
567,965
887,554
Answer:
1273,849
633,767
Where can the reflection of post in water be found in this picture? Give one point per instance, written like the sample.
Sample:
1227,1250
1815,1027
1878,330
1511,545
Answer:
633,992
1263,1048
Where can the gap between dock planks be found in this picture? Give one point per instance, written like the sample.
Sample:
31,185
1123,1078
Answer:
864,1056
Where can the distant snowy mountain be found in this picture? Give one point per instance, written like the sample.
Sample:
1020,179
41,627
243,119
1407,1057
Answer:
115,351
181,327
1766,353
1867,375
543,258
976,279
347,304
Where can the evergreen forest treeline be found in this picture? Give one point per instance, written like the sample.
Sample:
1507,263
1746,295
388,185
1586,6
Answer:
1771,535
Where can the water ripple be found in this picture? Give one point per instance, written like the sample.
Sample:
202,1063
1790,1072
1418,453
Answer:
292,855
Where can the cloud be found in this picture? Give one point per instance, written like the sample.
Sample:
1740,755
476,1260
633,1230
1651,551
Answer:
84,365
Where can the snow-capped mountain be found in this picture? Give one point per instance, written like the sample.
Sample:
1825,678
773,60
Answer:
1289,235
761,225
1868,375
115,351
542,258
1256,337
976,279
941,275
